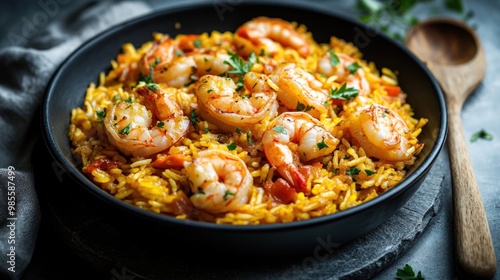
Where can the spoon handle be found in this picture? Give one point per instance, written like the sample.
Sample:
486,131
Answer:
474,250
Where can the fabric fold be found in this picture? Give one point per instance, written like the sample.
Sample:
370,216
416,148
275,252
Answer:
26,72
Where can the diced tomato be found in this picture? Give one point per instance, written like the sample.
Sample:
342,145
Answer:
393,91
337,102
169,161
305,172
182,205
281,191
101,164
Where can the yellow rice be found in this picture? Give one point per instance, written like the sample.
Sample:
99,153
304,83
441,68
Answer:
135,181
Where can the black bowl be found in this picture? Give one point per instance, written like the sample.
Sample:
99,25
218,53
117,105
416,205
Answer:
67,88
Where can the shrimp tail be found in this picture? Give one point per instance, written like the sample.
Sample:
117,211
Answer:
294,177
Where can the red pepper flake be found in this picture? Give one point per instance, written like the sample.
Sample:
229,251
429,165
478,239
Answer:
101,164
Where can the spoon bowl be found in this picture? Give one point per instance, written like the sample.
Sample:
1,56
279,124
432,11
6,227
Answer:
452,51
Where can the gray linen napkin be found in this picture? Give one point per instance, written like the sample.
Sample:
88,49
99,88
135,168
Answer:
26,71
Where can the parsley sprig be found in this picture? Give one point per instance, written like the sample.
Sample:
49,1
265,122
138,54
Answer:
407,273
394,17
101,114
334,59
344,93
353,68
239,65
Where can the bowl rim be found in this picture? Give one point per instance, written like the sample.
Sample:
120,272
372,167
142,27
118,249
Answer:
79,178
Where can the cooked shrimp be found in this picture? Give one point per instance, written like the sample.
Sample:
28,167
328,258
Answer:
346,71
161,103
167,65
381,132
178,73
219,101
269,35
299,89
188,42
176,69
213,64
294,138
130,126
160,54
219,180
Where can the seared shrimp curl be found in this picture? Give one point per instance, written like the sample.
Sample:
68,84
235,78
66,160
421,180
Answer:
130,126
299,89
346,71
220,103
381,132
171,66
269,35
294,138
219,180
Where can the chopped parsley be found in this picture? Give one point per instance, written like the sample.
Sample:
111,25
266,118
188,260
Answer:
352,171
249,138
193,118
125,130
369,172
232,146
303,107
227,194
482,134
152,86
344,93
279,129
101,114
145,78
334,59
353,68
407,273
160,124
197,43
322,145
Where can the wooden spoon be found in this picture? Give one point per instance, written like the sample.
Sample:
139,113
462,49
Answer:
453,53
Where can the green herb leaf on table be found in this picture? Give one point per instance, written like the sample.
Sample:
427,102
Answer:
407,273
482,134
386,15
